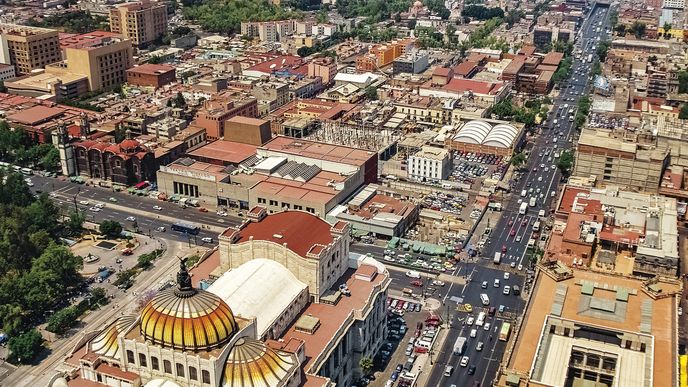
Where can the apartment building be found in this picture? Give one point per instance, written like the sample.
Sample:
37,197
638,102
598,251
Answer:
429,164
28,48
105,63
270,31
142,21
616,160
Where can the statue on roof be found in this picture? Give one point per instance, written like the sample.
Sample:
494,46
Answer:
183,277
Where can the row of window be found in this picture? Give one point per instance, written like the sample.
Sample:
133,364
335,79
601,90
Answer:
275,203
167,367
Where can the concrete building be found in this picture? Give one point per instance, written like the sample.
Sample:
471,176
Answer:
142,21
151,75
247,130
413,62
220,108
269,31
7,72
615,161
429,163
486,136
584,328
325,68
28,48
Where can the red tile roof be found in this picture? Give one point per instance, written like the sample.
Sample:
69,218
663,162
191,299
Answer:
35,115
86,40
478,87
226,151
151,69
285,62
299,230
553,58
464,69
441,71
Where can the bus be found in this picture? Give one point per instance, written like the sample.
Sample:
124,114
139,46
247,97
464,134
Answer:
187,228
505,331
480,321
460,345
524,207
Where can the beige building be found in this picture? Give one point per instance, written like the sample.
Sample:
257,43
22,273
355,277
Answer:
141,21
28,48
615,160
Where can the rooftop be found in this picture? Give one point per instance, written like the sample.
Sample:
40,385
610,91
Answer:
35,115
299,230
151,69
226,151
319,150
86,40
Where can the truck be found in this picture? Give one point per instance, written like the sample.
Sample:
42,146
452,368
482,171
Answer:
524,207
532,202
460,345
505,331
497,258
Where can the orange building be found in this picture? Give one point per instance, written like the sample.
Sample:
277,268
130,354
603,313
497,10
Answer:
383,55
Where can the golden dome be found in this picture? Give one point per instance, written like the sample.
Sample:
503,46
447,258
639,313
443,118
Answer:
105,343
252,363
186,318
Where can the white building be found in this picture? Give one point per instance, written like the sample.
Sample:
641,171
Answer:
429,164
674,4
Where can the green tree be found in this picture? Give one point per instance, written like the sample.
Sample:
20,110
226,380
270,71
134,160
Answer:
145,261
683,113
667,30
602,50
638,29
565,162
683,81
480,12
110,228
518,159
11,318
620,29
14,190
371,93
366,364
62,320
179,100
75,223
98,297
25,347
125,276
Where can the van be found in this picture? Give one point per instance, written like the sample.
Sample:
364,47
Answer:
448,370
423,344
484,299
516,289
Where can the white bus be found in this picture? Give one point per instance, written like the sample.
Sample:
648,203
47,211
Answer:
480,321
524,207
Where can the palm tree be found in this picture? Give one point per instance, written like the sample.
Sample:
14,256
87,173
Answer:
366,364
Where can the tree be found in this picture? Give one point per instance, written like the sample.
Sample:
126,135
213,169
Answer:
620,29
638,29
155,59
98,297
366,364
14,190
602,50
565,162
75,223
371,93
25,347
518,159
179,100
667,30
683,114
480,12
120,134
110,228
683,81
62,320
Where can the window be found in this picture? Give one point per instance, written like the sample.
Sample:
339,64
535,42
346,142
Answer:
206,376
130,357
168,366
180,369
142,360
261,200
273,202
193,374
154,363
285,205
311,210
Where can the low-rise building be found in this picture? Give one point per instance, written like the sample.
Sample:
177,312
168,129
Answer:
151,75
413,62
429,164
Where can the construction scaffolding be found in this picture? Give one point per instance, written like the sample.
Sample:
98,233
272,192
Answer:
361,135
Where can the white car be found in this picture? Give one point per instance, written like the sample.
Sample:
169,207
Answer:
507,290
474,332
131,219
207,240
94,209
520,267
506,275
470,320
486,326
222,213
157,208
29,182
84,202
100,205
438,283
464,361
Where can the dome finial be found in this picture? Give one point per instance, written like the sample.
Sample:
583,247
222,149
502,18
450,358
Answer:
184,287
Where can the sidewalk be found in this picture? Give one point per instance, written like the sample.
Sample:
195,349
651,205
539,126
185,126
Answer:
424,369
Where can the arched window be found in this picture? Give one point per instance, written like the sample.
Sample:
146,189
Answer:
180,369
168,366
193,374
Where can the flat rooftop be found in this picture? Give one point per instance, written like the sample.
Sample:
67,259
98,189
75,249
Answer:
44,81
319,150
606,301
334,317
87,40
225,151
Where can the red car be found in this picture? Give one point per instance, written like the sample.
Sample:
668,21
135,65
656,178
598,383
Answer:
524,222
417,283
203,209
503,249
511,222
513,232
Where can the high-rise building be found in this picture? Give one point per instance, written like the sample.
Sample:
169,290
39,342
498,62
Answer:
28,48
141,21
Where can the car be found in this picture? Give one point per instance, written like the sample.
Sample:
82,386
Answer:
100,205
520,267
52,194
539,178
400,367
394,376
118,260
503,249
94,209
131,219
113,200
409,350
486,326
203,209
512,232
470,320
501,308
496,283
680,311
484,285
438,283
207,239
84,202
474,333
513,264
417,308
507,290
464,361
468,307
417,283
471,370
222,213
506,274
157,208
160,229
479,346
